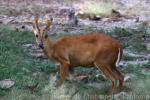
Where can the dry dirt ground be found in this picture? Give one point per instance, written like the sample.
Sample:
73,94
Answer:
19,14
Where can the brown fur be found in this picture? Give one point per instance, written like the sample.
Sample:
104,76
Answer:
89,50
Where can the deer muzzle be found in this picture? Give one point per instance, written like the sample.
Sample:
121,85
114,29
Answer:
41,45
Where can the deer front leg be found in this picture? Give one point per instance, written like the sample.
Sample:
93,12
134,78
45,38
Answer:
64,72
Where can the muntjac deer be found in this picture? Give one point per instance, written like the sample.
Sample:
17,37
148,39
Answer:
90,50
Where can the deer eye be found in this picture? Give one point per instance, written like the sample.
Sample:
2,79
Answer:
46,36
36,35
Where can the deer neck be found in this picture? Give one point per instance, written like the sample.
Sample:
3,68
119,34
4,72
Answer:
48,47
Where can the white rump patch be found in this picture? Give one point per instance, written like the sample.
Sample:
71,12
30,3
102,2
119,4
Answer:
118,59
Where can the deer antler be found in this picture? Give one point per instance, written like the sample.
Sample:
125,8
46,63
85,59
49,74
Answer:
49,22
36,24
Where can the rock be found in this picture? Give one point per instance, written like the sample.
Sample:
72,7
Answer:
39,55
120,96
82,78
6,83
28,45
127,78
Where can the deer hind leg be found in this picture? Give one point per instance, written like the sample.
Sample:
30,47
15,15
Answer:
64,72
119,76
108,73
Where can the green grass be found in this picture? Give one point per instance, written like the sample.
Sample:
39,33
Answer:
17,64
131,39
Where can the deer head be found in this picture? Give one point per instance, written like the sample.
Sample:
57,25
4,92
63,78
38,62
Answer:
41,35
